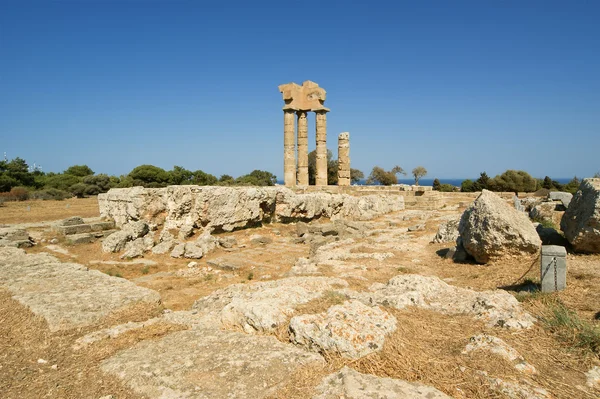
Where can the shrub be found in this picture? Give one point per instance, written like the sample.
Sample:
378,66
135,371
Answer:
447,188
16,194
50,194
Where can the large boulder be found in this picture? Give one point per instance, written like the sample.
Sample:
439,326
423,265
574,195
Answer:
581,221
490,229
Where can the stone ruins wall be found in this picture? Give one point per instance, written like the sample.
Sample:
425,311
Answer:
228,208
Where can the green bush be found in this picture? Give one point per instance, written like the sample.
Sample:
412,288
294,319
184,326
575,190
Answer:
50,194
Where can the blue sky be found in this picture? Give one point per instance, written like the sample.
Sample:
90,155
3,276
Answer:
458,87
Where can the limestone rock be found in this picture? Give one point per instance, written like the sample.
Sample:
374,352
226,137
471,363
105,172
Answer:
163,247
499,347
303,266
71,221
543,211
581,221
564,198
208,363
351,329
498,308
178,251
67,295
134,249
193,250
350,384
207,242
263,306
490,228
116,241
230,208
15,237
447,232
593,377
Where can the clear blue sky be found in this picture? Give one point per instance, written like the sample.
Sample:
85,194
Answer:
458,87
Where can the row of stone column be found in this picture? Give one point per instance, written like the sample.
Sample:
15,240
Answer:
289,146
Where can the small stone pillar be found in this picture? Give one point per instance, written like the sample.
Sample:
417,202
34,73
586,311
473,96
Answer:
302,149
321,172
344,159
553,271
289,147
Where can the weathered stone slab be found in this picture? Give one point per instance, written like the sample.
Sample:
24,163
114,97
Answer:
74,220
498,308
565,198
262,307
73,229
350,384
83,238
67,295
101,226
351,329
208,363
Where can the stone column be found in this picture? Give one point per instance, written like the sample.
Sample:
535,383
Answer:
289,148
321,172
344,159
302,149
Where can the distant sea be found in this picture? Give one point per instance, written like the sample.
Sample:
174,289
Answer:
454,182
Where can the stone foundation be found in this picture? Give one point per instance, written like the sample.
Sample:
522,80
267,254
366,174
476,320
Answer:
187,208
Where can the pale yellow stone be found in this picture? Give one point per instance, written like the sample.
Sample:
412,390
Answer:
302,148
344,159
308,97
289,148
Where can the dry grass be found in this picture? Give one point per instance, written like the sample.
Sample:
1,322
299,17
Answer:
427,348
25,338
33,211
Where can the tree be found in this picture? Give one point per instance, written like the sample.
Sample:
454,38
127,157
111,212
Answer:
436,184
380,176
483,182
332,167
467,186
573,185
257,178
356,176
418,172
180,175
515,181
149,176
226,180
203,179
547,183
79,170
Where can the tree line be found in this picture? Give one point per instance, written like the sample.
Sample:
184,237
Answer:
18,181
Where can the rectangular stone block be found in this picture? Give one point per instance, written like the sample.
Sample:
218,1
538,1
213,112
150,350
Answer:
553,268
74,229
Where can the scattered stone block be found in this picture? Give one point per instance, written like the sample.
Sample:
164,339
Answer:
72,221
67,295
84,238
351,329
563,197
208,363
350,384
553,270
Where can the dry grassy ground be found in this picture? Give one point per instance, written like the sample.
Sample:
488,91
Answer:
41,211
426,347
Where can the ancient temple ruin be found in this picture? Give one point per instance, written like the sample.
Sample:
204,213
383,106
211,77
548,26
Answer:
298,101
344,159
